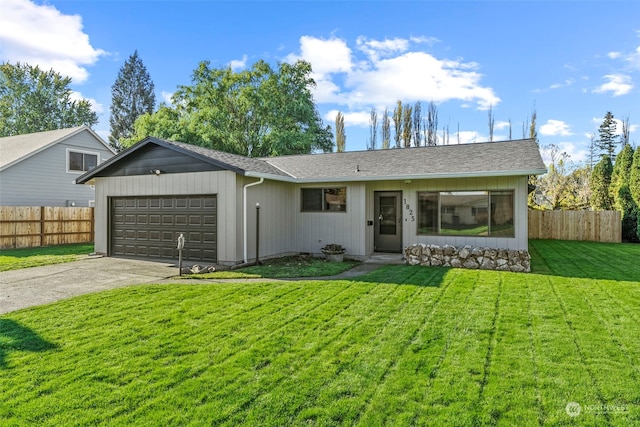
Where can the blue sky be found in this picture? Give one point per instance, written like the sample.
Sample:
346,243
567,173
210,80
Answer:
572,61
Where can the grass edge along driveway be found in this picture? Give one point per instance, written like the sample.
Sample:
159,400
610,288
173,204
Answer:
403,345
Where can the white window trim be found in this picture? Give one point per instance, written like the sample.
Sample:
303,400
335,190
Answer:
73,150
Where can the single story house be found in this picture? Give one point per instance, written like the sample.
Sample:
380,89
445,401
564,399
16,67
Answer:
39,169
367,201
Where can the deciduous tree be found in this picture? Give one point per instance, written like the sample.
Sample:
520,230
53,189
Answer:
407,126
373,129
132,95
257,112
397,123
417,124
432,124
386,129
341,138
33,100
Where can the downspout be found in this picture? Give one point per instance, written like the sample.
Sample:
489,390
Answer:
244,213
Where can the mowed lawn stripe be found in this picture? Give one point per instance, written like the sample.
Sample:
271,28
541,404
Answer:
395,398
511,395
457,384
604,357
564,377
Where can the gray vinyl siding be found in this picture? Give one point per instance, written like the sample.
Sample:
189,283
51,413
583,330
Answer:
314,230
43,180
221,183
410,194
277,236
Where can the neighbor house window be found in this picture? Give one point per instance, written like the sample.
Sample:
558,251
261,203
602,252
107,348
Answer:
466,213
324,199
79,161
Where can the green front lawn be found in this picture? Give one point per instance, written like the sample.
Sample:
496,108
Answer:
403,345
13,259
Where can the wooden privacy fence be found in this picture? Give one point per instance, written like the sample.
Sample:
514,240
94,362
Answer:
33,226
597,226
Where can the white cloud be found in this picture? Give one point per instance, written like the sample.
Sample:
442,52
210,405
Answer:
166,97
466,137
634,59
96,107
618,84
356,118
613,55
375,49
555,127
409,75
41,35
326,56
502,125
238,64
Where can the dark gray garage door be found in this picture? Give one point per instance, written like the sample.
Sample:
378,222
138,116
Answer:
149,227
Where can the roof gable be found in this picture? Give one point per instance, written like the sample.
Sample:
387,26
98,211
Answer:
152,154
14,149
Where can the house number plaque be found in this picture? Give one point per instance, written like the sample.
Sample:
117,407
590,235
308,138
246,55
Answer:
407,207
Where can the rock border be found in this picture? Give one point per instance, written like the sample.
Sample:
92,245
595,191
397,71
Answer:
471,257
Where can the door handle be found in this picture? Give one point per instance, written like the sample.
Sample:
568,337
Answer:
380,218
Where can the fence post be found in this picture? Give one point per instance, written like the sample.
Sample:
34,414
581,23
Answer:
41,226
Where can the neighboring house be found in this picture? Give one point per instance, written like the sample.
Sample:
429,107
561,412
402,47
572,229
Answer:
367,201
39,169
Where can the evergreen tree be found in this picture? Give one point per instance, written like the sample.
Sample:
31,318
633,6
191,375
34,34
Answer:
341,138
33,100
634,177
132,95
600,181
629,210
621,174
608,139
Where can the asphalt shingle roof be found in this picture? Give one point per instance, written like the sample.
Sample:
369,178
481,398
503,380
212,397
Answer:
18,147
519,157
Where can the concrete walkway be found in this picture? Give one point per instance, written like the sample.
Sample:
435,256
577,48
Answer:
29,287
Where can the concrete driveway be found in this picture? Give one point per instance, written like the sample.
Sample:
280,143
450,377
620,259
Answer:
41,285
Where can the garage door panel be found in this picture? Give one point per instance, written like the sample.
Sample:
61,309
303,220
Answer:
150,226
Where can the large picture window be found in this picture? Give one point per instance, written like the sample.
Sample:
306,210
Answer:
81,162
466,213
324,199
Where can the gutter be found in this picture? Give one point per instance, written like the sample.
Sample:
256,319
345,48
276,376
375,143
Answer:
244,214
